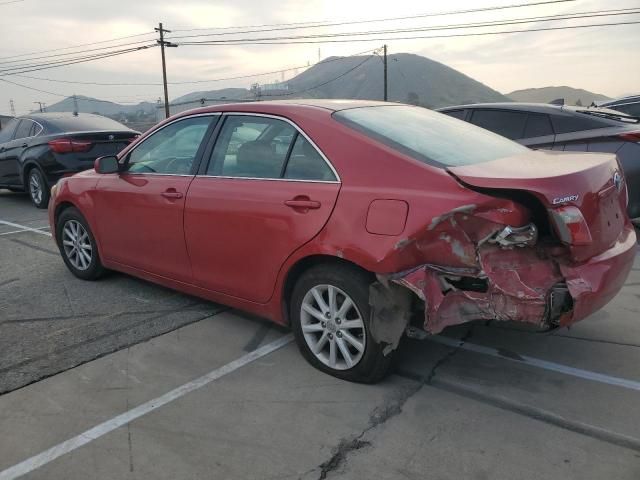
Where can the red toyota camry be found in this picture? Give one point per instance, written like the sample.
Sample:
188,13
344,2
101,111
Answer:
351,220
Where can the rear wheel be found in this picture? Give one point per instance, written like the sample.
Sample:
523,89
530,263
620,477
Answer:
38,188
330,317
78,246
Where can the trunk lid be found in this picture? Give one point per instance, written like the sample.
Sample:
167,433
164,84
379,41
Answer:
102,143
559,180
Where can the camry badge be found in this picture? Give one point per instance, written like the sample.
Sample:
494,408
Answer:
568,198
617,180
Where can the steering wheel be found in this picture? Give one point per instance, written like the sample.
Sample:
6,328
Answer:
179,165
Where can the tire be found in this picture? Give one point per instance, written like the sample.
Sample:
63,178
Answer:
38,188
72,225
368,365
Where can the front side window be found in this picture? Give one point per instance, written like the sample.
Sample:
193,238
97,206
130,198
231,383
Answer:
171,150
8,128
251,147
428,136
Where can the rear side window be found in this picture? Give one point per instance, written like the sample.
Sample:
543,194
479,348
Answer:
24,129
632,109
537,126
305,163
507,124
8,128
460,114
263,147
428,136
571,123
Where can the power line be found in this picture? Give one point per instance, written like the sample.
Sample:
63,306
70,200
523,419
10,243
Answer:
211,80
11,1
383,39
305,25
550,18
64,62
73,53
77,46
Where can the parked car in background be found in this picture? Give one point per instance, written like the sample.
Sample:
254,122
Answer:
629,105
564,128
37,150
340,218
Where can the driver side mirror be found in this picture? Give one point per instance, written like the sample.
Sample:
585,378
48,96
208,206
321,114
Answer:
107,164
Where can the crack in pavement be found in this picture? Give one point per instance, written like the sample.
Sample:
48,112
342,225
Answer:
381,415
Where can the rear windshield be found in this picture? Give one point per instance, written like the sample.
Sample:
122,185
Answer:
429,136
85,123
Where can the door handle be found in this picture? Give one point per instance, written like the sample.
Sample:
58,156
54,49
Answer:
302,203
171,194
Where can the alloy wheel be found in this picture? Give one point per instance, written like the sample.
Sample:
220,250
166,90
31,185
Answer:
77,245
35,187
333,327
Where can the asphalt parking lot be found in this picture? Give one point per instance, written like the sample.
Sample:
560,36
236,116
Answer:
123,379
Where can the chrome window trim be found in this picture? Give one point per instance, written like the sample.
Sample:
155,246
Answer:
270,179
186,117
300,132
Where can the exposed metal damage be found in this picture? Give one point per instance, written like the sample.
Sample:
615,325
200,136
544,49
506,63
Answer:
479,262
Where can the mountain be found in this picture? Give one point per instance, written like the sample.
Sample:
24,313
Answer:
411,79
229,94
102,107
548,94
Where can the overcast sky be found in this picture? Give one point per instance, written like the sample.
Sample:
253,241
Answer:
604,60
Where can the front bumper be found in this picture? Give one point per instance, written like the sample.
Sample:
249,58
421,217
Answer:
520,285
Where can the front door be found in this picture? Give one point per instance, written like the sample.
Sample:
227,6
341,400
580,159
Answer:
140,210
266,191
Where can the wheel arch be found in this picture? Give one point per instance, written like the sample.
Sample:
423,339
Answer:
304,264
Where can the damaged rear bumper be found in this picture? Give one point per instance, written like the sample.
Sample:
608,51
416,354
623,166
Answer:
524,285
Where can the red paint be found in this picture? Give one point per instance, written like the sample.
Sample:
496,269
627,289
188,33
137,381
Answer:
235,240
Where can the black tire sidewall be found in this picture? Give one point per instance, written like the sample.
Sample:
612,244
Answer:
373,364
45,187
95,269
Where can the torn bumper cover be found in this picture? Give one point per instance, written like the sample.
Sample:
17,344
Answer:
533,285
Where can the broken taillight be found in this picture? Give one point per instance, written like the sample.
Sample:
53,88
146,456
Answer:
571,226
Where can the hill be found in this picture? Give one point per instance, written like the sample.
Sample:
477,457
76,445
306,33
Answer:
548,94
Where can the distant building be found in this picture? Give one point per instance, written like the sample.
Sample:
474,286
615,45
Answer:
278,86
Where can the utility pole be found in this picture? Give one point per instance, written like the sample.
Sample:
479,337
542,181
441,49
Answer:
41,105
384,60
75,105
13,108
163,44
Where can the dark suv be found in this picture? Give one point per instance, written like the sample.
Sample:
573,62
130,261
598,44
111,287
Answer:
38,149
629,105
559,127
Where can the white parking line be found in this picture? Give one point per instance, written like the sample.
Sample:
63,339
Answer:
98,431
22,230
24,227
537,362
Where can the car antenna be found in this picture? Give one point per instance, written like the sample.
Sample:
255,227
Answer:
75,105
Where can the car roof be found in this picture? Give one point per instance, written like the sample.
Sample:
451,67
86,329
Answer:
621,101
529,107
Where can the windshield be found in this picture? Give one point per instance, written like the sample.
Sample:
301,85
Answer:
429,136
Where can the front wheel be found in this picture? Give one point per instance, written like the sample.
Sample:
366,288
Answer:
78,246
330,316
38,189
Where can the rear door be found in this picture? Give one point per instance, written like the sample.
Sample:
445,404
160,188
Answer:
265,191
140,211
6,135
